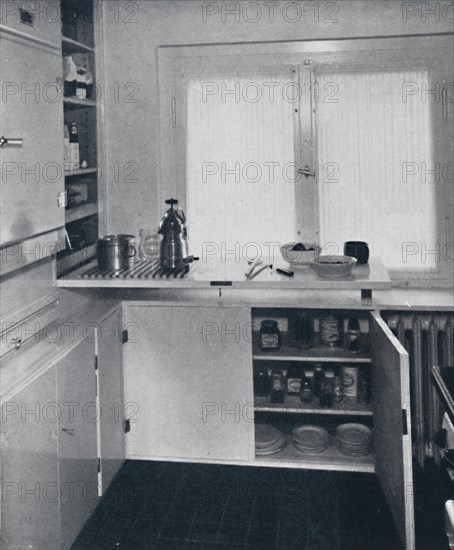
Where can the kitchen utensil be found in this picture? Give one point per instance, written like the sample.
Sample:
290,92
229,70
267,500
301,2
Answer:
334,267
116,252
174,242
358,250
295,257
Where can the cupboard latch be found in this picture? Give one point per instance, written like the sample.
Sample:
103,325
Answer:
404,422
125,336
127,425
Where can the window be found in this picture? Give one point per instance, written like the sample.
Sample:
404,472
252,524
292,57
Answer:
356,144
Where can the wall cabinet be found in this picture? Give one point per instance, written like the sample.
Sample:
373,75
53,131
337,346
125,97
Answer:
188,383
32,173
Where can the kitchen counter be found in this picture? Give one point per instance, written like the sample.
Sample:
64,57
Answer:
372,276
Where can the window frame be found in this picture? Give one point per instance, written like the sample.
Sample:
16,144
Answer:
435,53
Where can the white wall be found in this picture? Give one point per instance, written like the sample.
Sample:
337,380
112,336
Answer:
133,31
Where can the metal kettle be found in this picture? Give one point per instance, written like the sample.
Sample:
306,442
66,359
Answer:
174,245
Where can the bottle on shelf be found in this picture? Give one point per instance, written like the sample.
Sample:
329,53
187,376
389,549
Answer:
319,380
277,387
74,155
306,391
301,330
262,382
326,395
338,391
353,335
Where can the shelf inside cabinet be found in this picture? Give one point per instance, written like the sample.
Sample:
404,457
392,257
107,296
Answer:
329,459
70,46
294,405
317,354
80,212
80,172
74,102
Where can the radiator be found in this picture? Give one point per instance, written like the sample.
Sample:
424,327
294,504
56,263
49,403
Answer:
429,340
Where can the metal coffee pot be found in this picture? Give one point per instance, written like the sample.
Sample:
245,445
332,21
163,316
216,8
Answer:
174,245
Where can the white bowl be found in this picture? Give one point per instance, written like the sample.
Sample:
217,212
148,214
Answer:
334,267
300,257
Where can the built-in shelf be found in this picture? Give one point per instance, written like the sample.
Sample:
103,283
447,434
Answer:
80,172
317,354
329,459
73,46
79,212
76,102
294,405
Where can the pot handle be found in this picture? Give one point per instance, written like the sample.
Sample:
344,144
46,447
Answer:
134,251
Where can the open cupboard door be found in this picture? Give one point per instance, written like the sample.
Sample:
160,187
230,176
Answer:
392,428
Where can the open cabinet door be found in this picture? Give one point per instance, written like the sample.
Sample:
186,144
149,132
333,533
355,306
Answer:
392,429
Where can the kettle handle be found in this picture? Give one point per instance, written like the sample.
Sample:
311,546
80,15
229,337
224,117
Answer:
182,215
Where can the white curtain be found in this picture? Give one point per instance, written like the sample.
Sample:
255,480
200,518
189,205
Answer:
240,142
379,139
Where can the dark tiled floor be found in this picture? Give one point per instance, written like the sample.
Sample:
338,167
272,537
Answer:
165,506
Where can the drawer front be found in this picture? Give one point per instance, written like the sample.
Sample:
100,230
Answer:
27,299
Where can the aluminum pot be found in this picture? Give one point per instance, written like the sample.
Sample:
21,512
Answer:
116,252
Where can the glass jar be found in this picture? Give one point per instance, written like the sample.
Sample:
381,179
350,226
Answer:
149,244
270,335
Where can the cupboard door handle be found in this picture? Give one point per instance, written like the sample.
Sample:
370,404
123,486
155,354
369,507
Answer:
17,142
69,431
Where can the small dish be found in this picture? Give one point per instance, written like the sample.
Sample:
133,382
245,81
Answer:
298,258
334,267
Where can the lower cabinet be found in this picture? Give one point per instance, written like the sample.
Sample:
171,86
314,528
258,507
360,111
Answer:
77,438
29,467
188,383
110,397
194,380
61,440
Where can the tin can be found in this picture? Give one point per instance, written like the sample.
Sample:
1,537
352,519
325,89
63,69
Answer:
330,330
350,381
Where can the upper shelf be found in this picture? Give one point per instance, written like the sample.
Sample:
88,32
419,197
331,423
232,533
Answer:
76,102
70,46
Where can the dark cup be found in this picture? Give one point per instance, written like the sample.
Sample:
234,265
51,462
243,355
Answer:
358,250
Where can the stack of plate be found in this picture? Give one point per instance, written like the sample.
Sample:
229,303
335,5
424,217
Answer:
268,440
310,439
354,439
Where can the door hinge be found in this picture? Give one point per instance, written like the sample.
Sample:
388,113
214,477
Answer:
404,422
174,112
99,465
125,336
127,425
62,199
